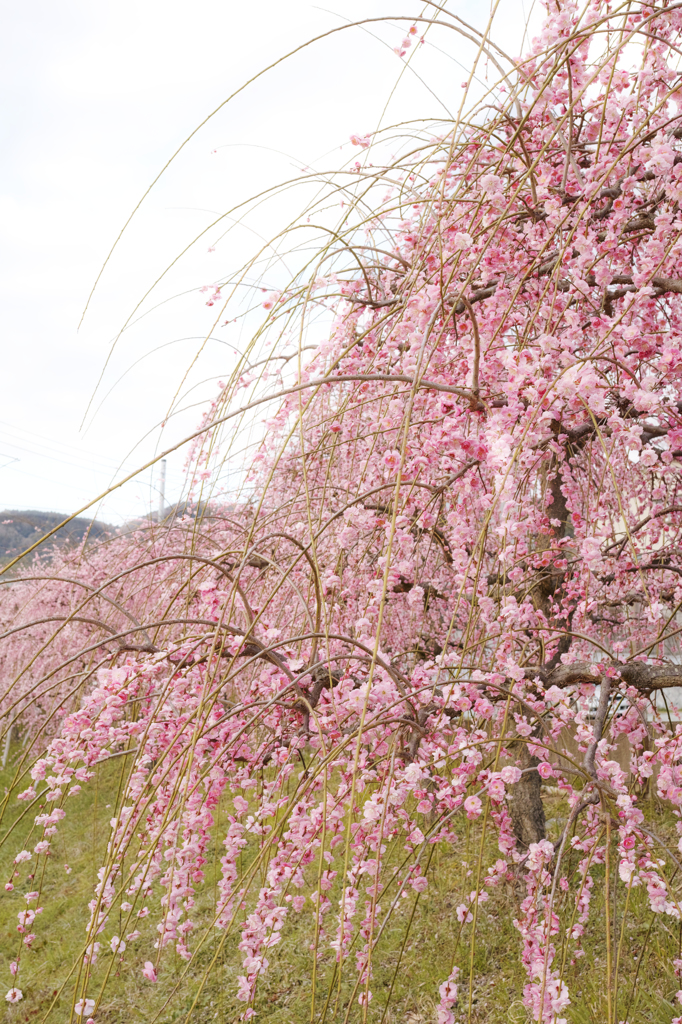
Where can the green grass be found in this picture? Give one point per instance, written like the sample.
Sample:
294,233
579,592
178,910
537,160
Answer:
413,973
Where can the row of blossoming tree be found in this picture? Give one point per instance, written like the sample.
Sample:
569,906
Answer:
451,580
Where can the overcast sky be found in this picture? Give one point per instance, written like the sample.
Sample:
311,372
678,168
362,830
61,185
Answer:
97,96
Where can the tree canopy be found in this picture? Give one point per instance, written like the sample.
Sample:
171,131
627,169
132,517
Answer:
451,576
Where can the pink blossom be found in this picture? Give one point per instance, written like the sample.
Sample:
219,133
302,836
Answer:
149,971
448,991
591,551
539,854
462,240
392,459
496,789
662,156
271,300
472,805
241,805
490,183
14,995
243,989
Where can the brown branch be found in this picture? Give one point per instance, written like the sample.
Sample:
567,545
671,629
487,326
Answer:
460,304
645,678
456,476
638,526
477,345
600,718
371,303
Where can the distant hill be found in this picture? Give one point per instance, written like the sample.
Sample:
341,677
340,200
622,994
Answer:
20,529
182,509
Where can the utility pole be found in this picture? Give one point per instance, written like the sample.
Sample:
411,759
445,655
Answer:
162,490
8,744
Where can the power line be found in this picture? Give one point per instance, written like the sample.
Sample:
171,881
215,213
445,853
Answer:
58,446
54,458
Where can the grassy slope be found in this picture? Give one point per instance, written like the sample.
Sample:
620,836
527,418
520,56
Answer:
430,944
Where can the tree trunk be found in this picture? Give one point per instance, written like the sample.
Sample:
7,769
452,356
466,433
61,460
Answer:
525,807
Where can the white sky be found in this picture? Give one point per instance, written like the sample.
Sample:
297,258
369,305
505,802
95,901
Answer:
97,96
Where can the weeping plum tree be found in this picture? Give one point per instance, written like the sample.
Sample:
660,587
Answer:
451,578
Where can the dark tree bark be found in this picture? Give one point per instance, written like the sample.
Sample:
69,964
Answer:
525,806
